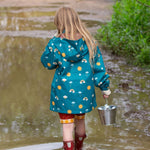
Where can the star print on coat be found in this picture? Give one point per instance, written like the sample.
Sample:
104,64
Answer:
73,86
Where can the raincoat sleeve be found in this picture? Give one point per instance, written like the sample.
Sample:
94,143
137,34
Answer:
100,74
48,58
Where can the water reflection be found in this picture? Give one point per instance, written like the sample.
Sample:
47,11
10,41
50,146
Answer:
24,100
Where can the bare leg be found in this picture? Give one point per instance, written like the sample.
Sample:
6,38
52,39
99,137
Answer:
68,136
68,132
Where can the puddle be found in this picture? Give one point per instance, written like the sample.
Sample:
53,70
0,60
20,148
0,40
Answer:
29,19
49,146
25,118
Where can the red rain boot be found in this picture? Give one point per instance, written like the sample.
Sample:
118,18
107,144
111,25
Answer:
79,141
68,145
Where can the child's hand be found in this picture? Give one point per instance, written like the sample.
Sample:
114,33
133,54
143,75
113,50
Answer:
105,96
106,93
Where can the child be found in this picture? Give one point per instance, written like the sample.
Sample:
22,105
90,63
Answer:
79,66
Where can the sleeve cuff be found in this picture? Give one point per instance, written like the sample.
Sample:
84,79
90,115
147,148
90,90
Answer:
107,92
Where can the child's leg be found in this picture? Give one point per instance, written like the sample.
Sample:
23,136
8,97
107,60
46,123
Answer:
68,128
80,126
80,134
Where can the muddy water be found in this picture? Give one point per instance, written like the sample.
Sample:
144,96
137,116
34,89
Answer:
25,118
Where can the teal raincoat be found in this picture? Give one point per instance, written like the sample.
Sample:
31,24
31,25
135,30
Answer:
72,89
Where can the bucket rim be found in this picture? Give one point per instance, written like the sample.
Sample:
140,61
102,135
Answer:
110,106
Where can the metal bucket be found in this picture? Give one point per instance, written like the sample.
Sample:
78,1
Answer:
107,114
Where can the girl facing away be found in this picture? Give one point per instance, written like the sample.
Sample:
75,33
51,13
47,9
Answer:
79,68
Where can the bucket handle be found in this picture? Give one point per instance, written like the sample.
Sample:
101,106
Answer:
106,101
106,104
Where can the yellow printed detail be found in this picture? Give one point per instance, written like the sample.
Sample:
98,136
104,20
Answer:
69,111
93,108
89,87
106,73
63,54
72,91
65,96
59,87
66,120
84,60
68,74
98,63
48,64
50,48
55,49
65,59
79,68
82,81
53,103
85,98
80,106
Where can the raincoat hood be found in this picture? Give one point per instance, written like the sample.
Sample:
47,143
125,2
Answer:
71,50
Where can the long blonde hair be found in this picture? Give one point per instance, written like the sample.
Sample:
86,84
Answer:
66,19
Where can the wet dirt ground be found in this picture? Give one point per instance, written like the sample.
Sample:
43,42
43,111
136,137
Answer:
25,119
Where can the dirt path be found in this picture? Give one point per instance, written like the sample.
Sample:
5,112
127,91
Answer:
102,9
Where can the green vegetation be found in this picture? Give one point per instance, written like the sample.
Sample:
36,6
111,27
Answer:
128,33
